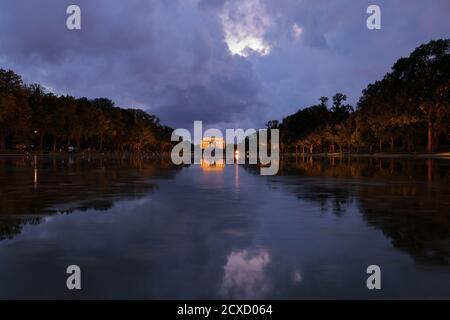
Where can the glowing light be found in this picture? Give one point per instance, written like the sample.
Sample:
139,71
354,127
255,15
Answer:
35,172
212,166
245,46
214,142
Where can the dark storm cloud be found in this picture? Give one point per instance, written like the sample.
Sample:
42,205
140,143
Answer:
171,59
336,52
167,58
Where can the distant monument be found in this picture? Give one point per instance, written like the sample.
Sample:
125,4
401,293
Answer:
214,142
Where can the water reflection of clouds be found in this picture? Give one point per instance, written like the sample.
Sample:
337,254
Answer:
245,275
297,277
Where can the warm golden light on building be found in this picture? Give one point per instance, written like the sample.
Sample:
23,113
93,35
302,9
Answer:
210,164
214,142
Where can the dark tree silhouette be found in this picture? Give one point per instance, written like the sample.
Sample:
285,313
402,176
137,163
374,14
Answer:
410,106
31,117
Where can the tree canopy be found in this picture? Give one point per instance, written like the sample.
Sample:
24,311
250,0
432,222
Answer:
409,107
32,117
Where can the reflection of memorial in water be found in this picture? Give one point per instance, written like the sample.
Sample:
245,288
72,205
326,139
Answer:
208,165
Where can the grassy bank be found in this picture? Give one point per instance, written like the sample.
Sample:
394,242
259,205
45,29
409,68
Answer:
414,155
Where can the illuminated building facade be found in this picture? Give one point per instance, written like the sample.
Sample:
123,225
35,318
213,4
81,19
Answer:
218,143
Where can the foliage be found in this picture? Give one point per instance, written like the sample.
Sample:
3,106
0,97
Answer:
410,106
32,117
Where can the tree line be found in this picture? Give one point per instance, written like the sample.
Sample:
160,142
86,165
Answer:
33,118
408,110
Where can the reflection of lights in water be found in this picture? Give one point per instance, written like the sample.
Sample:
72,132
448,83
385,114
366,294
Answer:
297,277
207,165
35,172
236,177
244,275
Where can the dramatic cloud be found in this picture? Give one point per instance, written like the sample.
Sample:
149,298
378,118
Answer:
245,24
226,62
296,30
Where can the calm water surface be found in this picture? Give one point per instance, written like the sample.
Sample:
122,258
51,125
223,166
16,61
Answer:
145,229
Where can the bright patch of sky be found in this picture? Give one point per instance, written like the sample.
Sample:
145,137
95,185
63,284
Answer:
245,23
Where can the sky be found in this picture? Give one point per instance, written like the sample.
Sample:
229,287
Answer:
228,63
